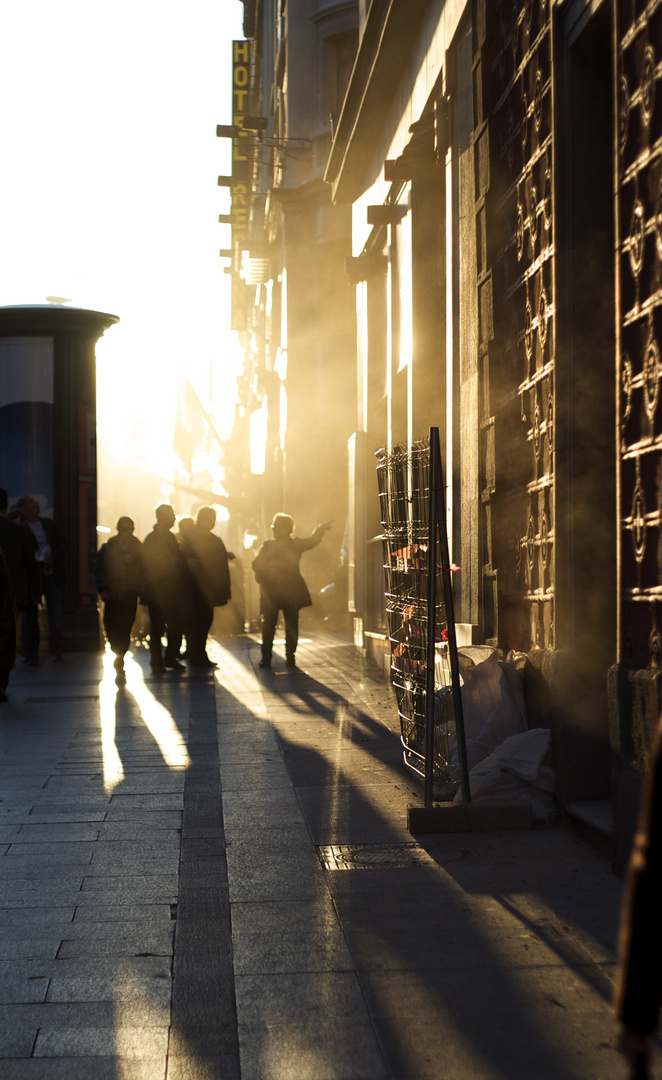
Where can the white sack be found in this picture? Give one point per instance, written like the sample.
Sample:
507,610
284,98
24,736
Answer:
493,704
514,772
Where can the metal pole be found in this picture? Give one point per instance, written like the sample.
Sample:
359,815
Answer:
450,624
432,612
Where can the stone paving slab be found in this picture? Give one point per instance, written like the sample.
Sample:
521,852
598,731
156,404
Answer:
57,852
157,888
30,947
71,804
83,1068
103,911
244,804
22,981
9,833
16,1044
109,979
14,919
125,941
279,1013
163,783
62,1016
257,775
115,843
35,868
257,830
285,938
39,817
293,874
152,802
134,865
31,894
51,834
127,1042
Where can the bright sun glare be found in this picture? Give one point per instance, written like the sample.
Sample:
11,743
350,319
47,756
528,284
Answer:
109,196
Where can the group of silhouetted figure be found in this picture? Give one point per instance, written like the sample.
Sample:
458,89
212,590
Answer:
180,580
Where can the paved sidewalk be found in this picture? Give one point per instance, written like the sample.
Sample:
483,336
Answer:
206,878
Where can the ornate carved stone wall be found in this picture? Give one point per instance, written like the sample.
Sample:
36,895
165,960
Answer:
639,244
516,285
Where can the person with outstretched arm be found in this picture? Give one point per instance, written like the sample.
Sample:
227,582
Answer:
282,588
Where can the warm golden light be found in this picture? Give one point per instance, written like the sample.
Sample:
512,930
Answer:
155,717
113,771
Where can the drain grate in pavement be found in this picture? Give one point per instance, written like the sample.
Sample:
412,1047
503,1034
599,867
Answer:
372,856
63,697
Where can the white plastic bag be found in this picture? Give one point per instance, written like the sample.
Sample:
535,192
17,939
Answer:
492,699
514,772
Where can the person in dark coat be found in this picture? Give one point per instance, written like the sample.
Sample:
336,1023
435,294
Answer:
7,626
164,590
282,588
639,984
207,559
50,557
119,579
20,550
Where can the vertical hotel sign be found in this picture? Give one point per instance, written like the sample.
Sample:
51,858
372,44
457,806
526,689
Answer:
240,157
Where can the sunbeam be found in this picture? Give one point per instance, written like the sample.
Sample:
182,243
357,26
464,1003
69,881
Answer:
113,771
155,717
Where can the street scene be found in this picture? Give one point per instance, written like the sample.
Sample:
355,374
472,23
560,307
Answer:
331,540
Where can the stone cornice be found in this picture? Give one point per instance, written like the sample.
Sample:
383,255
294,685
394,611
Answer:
391,27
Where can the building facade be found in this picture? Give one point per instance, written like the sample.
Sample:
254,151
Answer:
501,162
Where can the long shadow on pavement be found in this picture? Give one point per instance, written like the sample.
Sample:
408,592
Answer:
493,957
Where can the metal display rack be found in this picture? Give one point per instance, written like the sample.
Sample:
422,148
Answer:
419,607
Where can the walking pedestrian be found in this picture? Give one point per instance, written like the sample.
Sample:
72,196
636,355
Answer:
50,557
119,579
180,648
7,626
207,559
282,588
20,550
164,591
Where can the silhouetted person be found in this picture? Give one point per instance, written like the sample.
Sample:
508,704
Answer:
639,984
7,627
164,591
282,588
119,579
207,559
50,557
20,550
184,526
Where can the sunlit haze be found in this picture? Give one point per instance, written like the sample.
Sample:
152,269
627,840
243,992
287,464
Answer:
108,197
